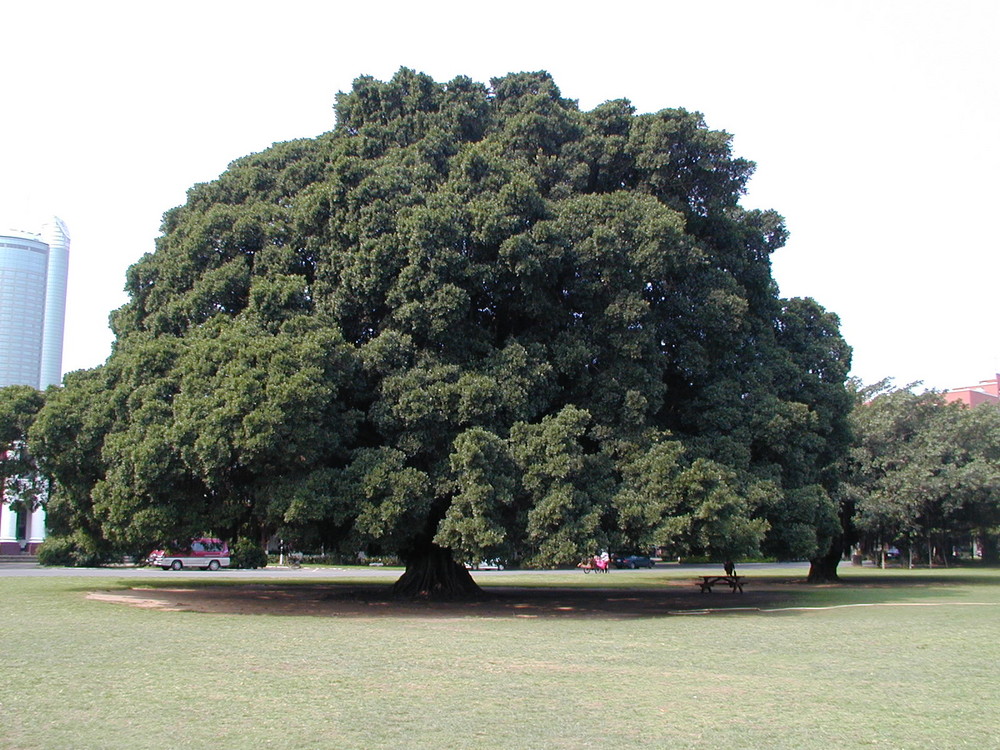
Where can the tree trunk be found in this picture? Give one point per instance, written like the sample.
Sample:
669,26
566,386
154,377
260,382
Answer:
990,548
433,574
824,569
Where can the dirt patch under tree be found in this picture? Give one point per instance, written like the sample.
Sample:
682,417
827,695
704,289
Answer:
359,600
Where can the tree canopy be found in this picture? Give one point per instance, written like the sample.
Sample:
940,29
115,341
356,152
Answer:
21,484
925,473
469,321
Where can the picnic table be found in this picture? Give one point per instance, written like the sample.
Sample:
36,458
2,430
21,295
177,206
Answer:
734,582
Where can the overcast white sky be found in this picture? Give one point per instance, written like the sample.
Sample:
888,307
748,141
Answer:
874,126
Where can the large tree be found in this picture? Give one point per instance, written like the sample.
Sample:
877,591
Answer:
475,321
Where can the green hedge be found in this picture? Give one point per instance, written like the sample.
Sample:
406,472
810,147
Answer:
247,554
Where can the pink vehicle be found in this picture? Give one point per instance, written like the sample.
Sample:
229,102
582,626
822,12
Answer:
598,564
206,553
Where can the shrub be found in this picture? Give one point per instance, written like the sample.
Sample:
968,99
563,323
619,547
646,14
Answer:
246,554
76,550
56,550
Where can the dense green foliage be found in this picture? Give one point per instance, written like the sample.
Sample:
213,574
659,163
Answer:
471,318
21,483
246,554
925,474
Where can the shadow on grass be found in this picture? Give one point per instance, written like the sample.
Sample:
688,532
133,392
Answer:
673,598
897,580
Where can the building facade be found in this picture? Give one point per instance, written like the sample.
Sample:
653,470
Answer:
54,235
24,266
34,269
985,392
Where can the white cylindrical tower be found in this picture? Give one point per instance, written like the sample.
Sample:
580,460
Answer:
24,261
57,238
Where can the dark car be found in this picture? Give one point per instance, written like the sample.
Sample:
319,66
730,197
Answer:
633,561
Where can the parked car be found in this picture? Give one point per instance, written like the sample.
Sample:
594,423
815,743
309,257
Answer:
633,561
206,553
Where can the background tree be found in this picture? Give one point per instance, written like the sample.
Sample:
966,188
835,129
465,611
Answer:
22,484
67,437
475,321
926,473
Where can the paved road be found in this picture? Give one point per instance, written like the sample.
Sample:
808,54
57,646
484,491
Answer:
22,570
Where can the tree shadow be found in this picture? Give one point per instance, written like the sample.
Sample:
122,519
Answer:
669,597
376,600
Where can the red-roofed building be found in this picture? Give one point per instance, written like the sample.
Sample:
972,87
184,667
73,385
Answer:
987,392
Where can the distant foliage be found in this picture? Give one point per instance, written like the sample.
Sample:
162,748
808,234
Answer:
925,474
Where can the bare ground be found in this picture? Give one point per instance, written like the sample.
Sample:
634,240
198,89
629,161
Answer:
359,600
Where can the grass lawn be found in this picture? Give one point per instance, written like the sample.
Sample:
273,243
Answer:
900,659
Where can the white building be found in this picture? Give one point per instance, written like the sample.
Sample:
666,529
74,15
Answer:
33,274
24,267
54,235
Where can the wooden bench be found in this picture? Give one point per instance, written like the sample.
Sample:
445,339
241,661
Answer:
734,582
